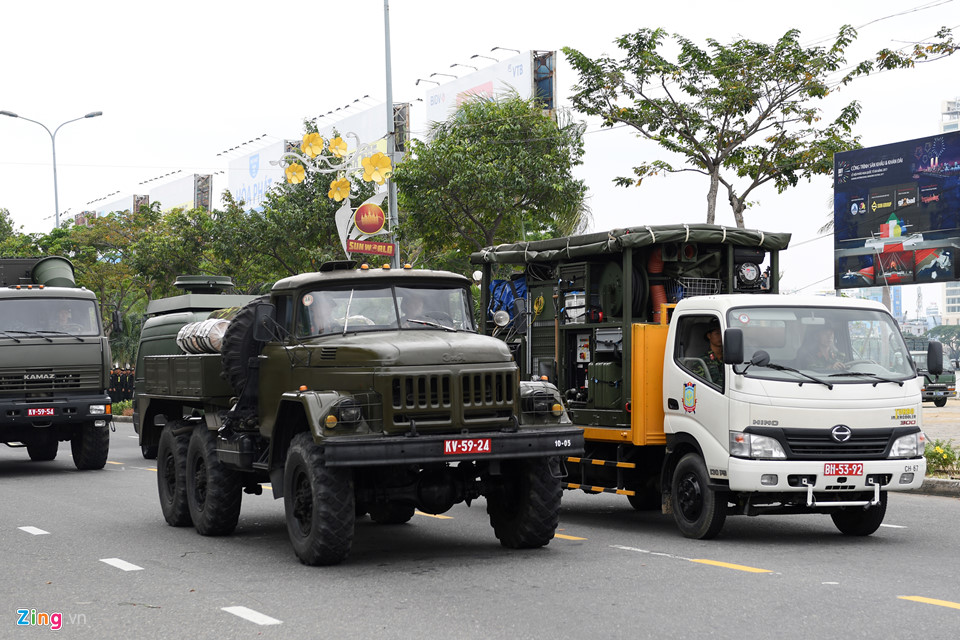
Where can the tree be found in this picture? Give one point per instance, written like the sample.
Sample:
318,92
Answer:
949,336
495,171
741,114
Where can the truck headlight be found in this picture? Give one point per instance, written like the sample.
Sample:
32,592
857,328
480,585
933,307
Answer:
910,446
751,445
349,411
99,409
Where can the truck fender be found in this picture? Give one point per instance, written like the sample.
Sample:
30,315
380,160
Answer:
315,406
530,414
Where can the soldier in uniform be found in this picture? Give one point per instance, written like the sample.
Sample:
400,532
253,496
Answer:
713,358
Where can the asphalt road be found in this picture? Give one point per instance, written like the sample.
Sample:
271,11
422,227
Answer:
93,547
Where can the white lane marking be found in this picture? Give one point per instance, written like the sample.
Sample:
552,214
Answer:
134,437
893,526
829,583
121,564
253,616
34,531
653,553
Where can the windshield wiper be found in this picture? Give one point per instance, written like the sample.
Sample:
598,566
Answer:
14,338
431,323
62,333
865,374
780,367
32,333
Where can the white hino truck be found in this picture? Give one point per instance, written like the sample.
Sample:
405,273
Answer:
809,405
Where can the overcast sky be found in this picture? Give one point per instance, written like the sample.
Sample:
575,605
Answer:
179,82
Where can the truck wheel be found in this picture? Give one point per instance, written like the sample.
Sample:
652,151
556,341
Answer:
319,504
698,510
172,477
90,446
940,402
239,346
524,504
857,521
43,450
213,490
391,512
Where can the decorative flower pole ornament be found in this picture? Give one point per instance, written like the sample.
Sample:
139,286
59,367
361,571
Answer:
338,147
312,145
295,173
376,168
339,189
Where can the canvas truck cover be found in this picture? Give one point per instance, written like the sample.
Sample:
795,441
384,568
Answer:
616,240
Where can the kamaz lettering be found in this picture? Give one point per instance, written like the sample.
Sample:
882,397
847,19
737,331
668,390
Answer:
39,376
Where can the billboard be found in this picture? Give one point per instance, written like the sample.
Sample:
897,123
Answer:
530,73
126,203
251,176
896,213
188,192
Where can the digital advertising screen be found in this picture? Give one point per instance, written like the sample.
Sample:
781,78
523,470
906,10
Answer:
897,213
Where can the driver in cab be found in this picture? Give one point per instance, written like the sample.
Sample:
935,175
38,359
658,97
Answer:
820,353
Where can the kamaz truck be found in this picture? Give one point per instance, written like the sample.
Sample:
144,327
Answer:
54,363
351,391
699,389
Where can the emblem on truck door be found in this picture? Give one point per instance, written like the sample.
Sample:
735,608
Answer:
689,397
841,433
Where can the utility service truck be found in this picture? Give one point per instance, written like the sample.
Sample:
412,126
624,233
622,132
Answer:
699,389
350,391
54,363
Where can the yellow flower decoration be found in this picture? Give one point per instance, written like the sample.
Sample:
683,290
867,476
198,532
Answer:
376,168
312,145
295,173
338,147
339,189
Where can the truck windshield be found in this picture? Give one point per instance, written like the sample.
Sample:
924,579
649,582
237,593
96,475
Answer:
357,309
920,358
48,317
837,344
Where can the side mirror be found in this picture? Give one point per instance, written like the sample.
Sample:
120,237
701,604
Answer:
934,358
264,322
760,358
733,346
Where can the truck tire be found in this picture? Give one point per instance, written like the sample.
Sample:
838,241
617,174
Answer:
940,402
857,521
43,449
90,446
391,512
172,476
149,452
213,491
524,504
698,510
319,504
239,346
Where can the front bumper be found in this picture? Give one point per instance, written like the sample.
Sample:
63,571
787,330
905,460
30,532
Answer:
367,451
65,410
798,475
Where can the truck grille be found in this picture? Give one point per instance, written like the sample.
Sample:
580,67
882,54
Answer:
817,443
450,400
48,380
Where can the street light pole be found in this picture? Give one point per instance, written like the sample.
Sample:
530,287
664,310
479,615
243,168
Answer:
53,144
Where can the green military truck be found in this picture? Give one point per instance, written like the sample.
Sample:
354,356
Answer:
351,392
54,363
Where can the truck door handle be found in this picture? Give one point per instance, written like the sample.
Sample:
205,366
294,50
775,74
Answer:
672,404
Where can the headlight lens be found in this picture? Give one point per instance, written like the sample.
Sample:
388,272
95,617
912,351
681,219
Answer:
910,446
349,411
98,409
751,445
